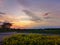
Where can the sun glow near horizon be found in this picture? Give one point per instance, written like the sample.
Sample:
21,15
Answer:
23,24
30,13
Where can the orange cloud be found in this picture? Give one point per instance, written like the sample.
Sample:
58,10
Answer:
23,24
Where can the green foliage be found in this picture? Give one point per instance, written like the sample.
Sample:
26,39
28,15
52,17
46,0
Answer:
41,31
31,39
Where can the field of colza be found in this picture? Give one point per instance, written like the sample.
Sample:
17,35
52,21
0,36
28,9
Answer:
32,39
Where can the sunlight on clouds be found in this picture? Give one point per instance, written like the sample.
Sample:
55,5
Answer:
23,24
22,18
1,20
30,13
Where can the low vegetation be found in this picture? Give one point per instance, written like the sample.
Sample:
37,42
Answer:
32,39
45,31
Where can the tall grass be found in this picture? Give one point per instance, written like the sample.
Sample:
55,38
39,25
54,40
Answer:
31,39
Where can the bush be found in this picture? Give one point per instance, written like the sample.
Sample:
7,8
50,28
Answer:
31,39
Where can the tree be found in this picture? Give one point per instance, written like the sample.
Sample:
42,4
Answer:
6,25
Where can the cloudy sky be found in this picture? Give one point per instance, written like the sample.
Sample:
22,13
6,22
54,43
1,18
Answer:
29,14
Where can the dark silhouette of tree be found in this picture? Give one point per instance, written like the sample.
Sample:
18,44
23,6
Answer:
6,25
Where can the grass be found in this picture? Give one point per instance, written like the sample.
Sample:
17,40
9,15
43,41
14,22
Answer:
32,39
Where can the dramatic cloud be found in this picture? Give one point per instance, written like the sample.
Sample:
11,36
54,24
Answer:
32,15
4,17
47,16
1,13
28,12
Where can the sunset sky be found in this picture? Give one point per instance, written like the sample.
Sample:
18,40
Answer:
28,14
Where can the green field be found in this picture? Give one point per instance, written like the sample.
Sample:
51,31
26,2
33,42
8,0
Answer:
32,39
45,31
